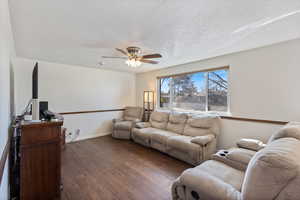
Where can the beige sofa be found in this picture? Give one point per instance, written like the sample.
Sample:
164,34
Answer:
122,127
272,173
188,138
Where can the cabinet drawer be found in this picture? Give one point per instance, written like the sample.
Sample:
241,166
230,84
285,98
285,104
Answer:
40,135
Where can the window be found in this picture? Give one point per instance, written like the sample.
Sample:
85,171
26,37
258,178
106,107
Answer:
201,91
217,90
165,84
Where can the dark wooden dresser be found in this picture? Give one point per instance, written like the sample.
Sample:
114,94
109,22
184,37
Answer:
40,160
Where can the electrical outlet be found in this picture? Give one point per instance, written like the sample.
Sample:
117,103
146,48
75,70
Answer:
73,135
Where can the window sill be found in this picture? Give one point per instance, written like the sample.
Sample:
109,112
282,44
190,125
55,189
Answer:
219,113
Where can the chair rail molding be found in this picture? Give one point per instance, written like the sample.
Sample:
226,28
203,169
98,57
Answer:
277,122
255,120
91,111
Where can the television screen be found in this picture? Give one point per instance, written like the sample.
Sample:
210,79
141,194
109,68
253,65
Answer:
35,81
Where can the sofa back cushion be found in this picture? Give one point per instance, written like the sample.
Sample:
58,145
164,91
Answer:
292,129
201,125
177,122
273,170
133,113
159,119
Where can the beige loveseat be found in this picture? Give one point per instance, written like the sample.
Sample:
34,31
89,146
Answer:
272,173
122,127
188,138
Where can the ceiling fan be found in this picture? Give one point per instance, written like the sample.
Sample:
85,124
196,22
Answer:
134,58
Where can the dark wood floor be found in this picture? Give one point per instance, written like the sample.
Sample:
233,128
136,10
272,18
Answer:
105,168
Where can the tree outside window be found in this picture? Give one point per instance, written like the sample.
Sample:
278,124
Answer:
201,91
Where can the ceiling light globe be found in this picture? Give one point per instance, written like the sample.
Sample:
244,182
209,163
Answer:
133,63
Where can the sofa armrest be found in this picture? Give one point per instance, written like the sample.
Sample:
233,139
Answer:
207,186
134,122
137,121
252,144
142,125
241,155
238,158
203,140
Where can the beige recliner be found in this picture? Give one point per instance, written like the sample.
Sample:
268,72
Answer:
122,127
188,138
240,156
273,173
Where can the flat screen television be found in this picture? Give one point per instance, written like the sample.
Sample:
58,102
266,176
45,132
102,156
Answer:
35,89
35,81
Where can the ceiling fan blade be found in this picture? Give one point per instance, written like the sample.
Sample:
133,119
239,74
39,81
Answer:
117,57
149,61
156,55
122,51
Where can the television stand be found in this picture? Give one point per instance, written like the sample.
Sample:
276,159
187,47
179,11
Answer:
39,159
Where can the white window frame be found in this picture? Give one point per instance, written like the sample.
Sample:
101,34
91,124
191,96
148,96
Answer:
171,108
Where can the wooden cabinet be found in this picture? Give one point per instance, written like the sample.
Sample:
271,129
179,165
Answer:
40,161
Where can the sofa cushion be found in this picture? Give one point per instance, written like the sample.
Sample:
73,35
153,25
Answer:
128,118
133,113
161,136
213,180
123,125
159,120
143,134
183,143
201,121
195,131
223,172
177,122
271,169
201,125
292,129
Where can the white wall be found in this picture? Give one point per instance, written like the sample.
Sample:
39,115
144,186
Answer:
6,101
264,84
74,88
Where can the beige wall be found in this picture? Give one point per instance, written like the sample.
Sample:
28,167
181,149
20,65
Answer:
74,88
6,100
264,84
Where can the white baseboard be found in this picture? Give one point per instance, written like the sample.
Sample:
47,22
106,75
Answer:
86,137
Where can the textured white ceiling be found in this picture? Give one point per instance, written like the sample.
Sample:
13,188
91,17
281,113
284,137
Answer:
80,32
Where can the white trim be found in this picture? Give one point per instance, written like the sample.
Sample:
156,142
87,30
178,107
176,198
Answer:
157,105
86,137
196,112
206,95
229,91
172,92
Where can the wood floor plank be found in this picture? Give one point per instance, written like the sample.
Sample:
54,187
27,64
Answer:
108,169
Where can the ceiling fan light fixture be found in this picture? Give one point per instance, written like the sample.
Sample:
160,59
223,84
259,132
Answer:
133,63
134,58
